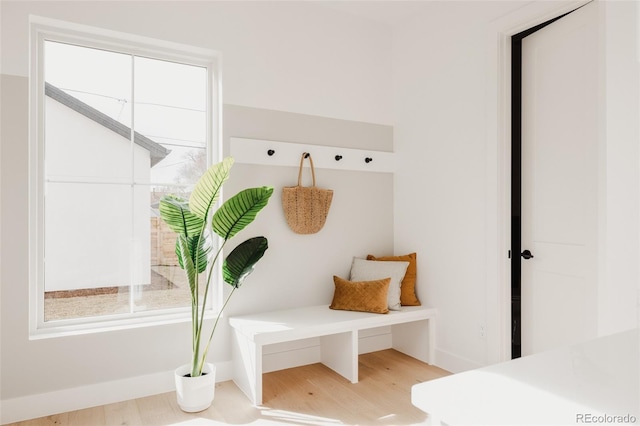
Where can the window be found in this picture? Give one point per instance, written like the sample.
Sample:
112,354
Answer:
116,123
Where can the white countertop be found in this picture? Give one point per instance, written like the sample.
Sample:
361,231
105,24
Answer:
575,385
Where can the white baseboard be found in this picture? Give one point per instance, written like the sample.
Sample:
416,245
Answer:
454,363
46,404
373,343
294,357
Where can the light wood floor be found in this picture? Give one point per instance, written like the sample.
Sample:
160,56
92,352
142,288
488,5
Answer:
308,395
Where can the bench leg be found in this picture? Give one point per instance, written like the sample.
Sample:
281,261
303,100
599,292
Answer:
340,353
416,339
247,367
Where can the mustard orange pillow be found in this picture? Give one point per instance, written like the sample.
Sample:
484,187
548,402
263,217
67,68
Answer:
408,295
362,296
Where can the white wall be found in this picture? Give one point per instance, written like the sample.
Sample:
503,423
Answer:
439,100
447,189
619,291
286,56
295,57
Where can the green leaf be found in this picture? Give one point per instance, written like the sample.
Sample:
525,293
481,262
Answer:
186,262
207,189
199,255
240,210
242,259
175,212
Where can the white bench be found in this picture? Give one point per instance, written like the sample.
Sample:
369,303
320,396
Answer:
412,332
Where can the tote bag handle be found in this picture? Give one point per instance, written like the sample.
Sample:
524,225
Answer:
313,173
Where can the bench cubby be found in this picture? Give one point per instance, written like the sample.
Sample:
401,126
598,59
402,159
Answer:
412,332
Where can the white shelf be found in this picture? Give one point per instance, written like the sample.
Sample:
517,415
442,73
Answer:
257,151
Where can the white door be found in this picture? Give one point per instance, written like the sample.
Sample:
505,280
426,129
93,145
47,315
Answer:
560,182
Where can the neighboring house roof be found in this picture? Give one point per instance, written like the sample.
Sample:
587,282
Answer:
157,151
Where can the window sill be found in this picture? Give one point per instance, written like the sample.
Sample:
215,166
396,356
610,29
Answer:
65,328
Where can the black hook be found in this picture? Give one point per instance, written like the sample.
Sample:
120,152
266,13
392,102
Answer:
270,152
306,155
338,157
368,160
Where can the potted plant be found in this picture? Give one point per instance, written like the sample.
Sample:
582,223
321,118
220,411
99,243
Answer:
195,221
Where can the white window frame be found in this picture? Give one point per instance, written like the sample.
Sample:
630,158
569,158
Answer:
46,29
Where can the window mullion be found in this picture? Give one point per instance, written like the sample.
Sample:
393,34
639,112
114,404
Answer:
132,241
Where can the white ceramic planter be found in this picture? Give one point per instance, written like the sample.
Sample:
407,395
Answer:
195,393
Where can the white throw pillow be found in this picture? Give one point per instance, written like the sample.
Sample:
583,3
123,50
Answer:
368,270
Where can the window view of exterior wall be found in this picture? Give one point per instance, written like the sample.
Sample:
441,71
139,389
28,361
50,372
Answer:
120,131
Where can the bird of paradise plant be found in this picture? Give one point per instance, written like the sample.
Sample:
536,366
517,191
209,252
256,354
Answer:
193,221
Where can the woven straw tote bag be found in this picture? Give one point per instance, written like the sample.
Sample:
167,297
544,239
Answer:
306,208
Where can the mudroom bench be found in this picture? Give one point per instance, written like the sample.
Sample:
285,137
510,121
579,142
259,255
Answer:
412,332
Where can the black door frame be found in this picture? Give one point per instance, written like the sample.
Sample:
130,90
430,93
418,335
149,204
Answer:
516,179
